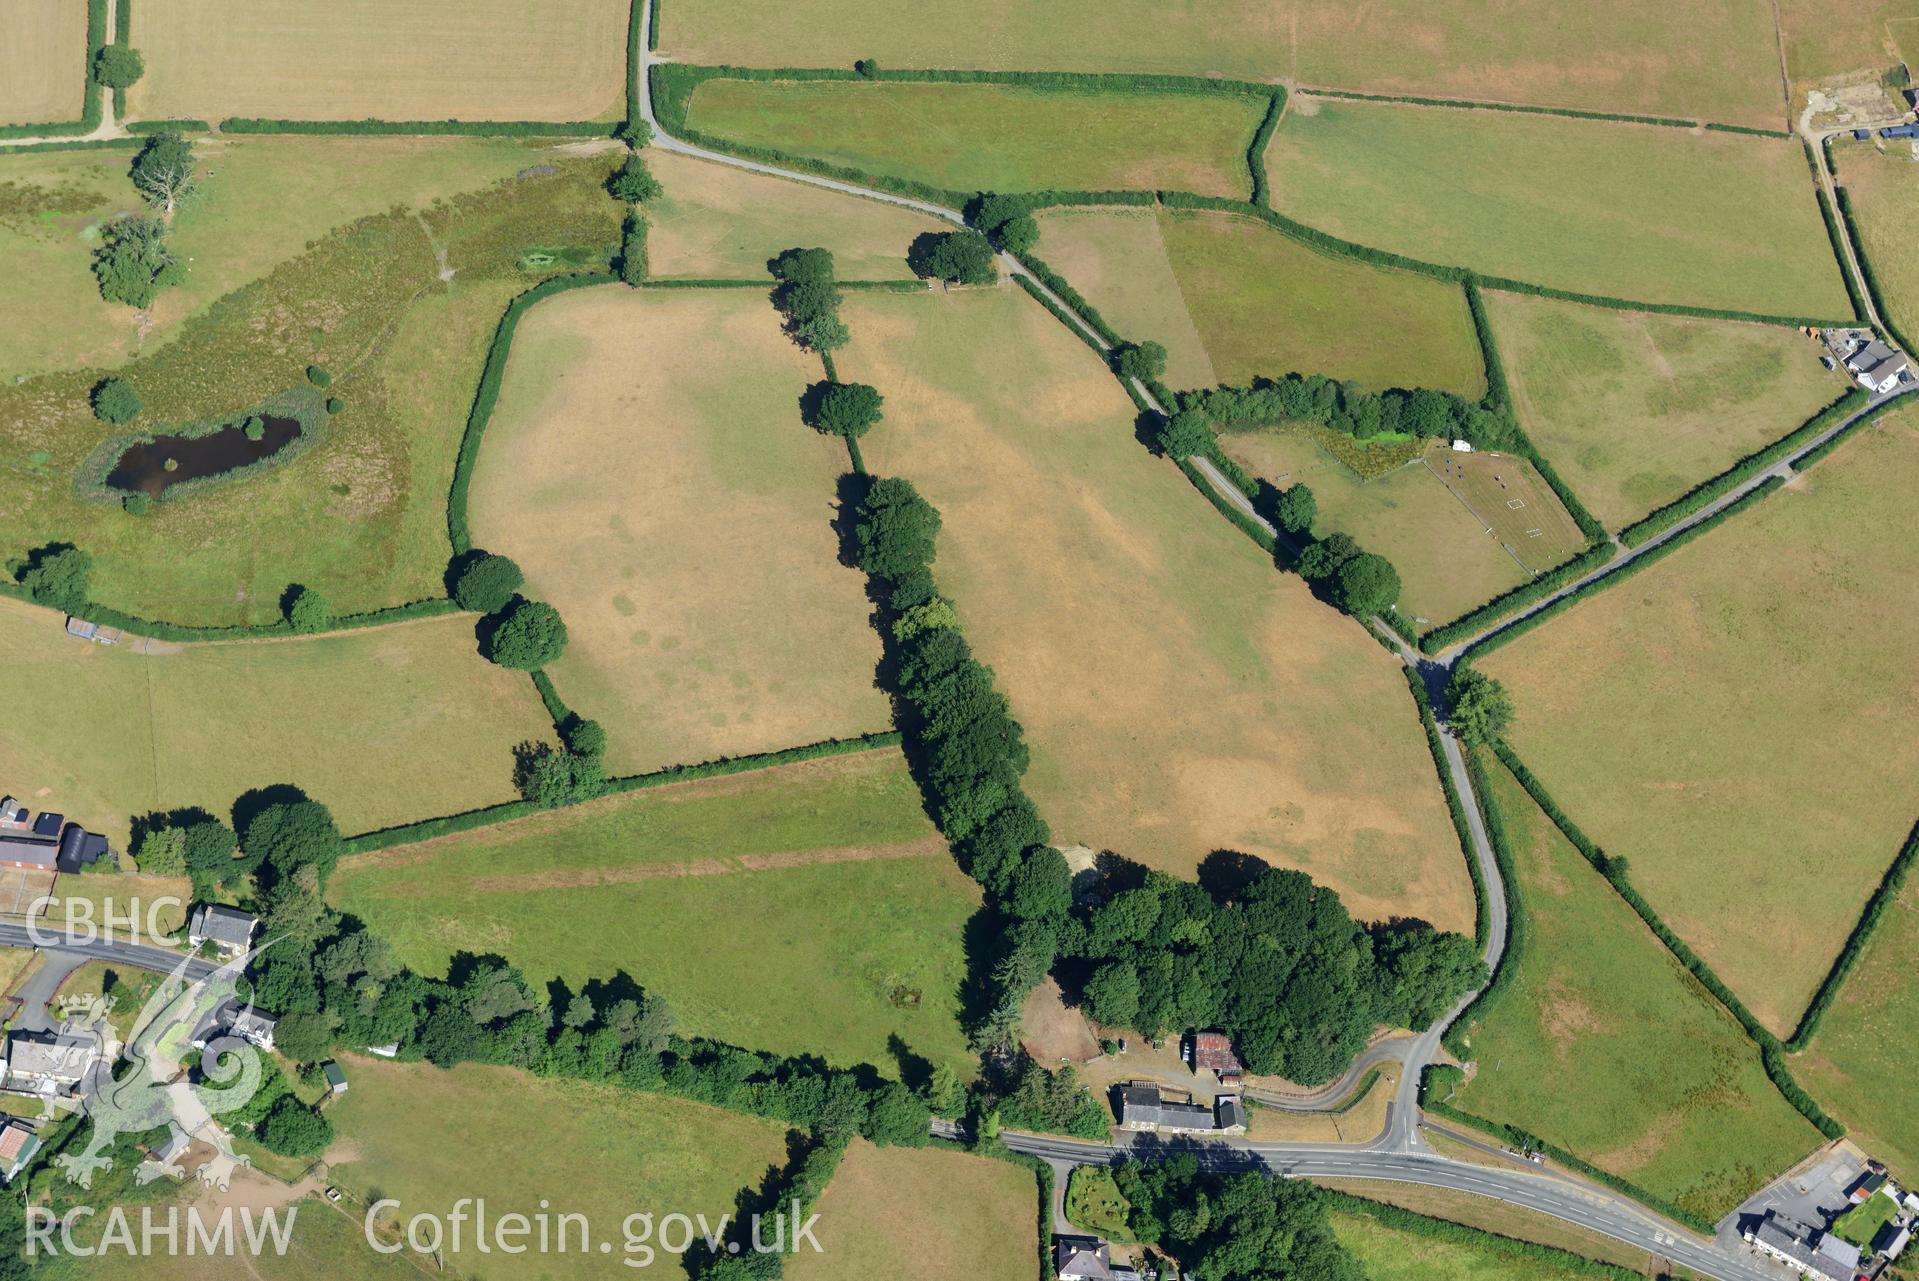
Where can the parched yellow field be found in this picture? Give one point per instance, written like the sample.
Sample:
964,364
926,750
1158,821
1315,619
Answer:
1715,59
1179,694
1737,720
1868,39
385,725
1635,409
889,1210
353,59
1232,299
1447,561
648,469
718,221
1882,187
1628,211
43,61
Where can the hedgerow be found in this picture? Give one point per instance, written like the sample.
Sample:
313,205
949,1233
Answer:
1873,286
1510,286
1707,492
1518,921
1437,1074
1540,587
1882,898
1409,1221
90,113
1071,297
487,394
1803,461
1247,525
1747,129
158,629
1073,324
1256,150
1497,389
635,118
1614,871
1455,808
141,128
1467,104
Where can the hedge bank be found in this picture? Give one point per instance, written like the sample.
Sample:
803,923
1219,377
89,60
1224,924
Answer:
1840,437
158,629
1710,491
1409,1221
1518,924
1455,808
1882,898
463,128
1468,104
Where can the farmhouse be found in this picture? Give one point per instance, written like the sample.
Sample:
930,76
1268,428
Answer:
1078,1258
1213,1051
1791,1243
234,1019
48,1064
18,1143
1876,366
228,928
1140,1107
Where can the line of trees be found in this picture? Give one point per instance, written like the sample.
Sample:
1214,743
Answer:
1249,1227
809,297
1349,408
134,261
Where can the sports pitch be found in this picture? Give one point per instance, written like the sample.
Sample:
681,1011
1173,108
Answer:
1516,508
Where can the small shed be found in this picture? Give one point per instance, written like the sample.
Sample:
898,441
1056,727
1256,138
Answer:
335,1077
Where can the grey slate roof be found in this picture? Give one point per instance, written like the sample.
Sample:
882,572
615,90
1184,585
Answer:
1793,1241
1140,1105
227,925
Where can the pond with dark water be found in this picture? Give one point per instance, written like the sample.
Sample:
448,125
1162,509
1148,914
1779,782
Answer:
142,469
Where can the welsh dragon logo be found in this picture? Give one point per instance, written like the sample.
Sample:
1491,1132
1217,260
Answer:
152,1086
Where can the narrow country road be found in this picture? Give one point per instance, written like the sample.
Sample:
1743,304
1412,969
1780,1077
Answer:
139,956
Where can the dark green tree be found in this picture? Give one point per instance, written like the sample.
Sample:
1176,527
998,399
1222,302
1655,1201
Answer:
318,376
115,401
1042,887
962,257
1112,994
165,172
485,582
1367,584
289,835
56,576
116,66
584,737
294,1129
633,249
304,1037
633,182
1326,557
1297,509
1145,361
1480,708
528,635
133,262
802,266
845,409
307,610
895,530
1184,434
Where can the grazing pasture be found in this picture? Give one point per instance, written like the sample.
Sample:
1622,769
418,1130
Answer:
1497,1216
1818,47
1635,409
1736,720
361,514
809,909
386,725
428,1137
1631,211
1858,1065
1883,187
1392,1254
355,59
1447,561
718,221
1709,58
1606,1046
1179,695
888,1210
1237,300
648,468
43,56
986,137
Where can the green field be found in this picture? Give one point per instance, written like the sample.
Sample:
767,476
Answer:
1447,561
1095,1204
1883,187
1605,1046
890,1210
427,1137
809,909
361,514
1710,58
1178,694
1635,409
981,137
385,726
671,538
1736,721
717,221
1391,1254
1232,299
235,230
1860,1066
1630,211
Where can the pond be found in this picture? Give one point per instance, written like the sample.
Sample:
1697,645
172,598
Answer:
142,469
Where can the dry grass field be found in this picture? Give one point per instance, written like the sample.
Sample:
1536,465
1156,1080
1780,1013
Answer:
1737,720
1715,59
353,59
1393,1254
43,56
809,909
428,1137
1180,696
1238,300
648,468
1867,39
1511,502
1635,409
985,137
1630,211
1883,187
1607,1047
717,221
889,1210
385,725
1860,1064
1447,561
